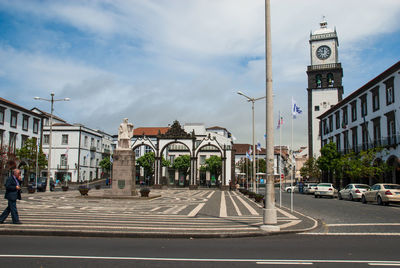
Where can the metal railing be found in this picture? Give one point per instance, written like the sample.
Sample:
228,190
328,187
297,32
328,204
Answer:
61,166
324,66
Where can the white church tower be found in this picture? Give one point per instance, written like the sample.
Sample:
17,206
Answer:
324,81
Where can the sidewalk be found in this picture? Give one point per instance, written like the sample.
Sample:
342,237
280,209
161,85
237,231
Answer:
174,213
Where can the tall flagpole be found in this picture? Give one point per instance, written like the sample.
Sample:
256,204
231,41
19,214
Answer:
291,181
270,218
280,162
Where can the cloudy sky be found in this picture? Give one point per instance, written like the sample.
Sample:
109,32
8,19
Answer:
156,61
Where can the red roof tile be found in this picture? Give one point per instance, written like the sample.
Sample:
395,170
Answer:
149,131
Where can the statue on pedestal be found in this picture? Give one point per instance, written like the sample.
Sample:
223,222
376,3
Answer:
125,133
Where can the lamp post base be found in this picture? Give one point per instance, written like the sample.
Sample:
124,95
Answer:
270,216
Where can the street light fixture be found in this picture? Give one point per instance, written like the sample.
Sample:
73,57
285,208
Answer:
252,100
52,100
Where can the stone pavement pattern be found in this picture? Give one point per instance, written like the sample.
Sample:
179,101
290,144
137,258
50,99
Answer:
176,213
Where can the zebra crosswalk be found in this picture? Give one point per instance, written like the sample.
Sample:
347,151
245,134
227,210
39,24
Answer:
173,212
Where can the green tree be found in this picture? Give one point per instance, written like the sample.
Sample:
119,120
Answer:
105,164
310,169
330,161
147,163
359,166
182,163
27,155
214,165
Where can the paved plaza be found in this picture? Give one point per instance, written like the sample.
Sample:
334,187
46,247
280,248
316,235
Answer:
171,213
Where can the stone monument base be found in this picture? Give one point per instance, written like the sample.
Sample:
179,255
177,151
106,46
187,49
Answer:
124,171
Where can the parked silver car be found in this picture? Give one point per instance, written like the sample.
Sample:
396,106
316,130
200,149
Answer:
353,191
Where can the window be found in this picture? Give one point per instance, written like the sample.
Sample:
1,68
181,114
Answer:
353,111
12,142
97,162
346,141
316,108
375,99
35,126
354,139
84,160
46,139
377,131
389,91
330,123
13,119
337,118
63,160
318,80
1,137
23,140
137,152
2,112
330,80
364,135
202,159
171,159
391,128
345,117
98,144
64,139
147,149
25,122
85,143
338,145
92,142
363,105
325,127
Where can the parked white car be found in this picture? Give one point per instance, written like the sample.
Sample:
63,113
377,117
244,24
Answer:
309,188
325,189
353,191
294,188
382,193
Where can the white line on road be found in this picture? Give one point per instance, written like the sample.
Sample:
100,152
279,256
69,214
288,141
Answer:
222,208
362,224
196,210
234,204
284,262
249,208
210,194
277,261
353,234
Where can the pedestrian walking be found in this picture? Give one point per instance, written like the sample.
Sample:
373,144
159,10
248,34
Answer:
13,192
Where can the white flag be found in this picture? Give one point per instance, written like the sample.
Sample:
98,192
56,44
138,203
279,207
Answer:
295,109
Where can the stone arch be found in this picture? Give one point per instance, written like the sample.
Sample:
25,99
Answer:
219,151
393,175
164,145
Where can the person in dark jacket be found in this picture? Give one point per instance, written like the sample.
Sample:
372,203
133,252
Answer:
13,192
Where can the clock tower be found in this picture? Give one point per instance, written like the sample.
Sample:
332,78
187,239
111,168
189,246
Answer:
324,81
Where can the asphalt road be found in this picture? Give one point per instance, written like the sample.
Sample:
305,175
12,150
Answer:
346,217
272,251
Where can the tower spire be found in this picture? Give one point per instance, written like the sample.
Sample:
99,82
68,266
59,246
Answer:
323,23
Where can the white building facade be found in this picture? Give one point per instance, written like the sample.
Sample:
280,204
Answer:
367,118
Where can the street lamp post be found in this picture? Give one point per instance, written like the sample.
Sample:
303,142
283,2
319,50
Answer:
252,100
52,100
269,212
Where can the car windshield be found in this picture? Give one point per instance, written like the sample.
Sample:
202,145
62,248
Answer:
393,187
361,186
324,185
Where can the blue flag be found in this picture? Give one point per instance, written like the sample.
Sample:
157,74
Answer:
295,109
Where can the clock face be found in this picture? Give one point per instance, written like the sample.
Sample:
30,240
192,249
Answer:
323,52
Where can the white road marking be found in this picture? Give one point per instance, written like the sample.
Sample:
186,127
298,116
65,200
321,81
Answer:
362,224
260,261
222,207
234,204
196,210
210,194
284,262
249,208
353,234
291,223
288,215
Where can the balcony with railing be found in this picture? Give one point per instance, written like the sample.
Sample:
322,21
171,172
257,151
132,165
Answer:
62,167
93,148
324,66
387,142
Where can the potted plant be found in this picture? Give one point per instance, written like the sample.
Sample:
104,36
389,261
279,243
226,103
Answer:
258,198
144,192
83,189
97,186
31,189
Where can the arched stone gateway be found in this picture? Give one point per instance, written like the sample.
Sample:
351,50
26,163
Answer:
191,145
393,175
